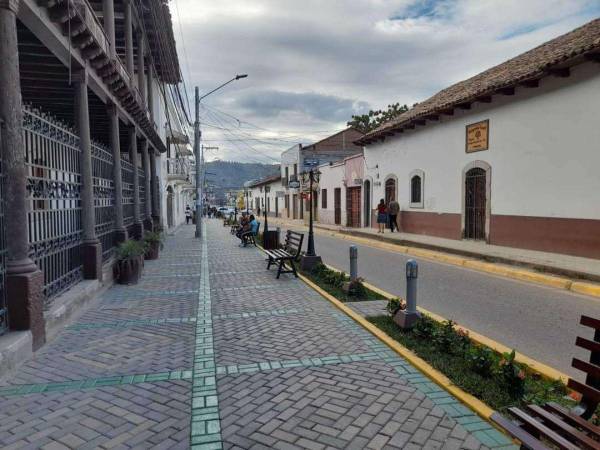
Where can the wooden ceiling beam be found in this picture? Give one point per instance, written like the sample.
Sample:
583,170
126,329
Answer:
485,99
594,57
530,83
507,91
563,72
465,105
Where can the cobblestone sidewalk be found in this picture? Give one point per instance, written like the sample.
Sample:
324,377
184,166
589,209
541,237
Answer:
211,351
294,372
121,376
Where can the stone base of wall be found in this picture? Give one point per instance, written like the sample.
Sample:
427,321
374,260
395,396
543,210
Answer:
578,237
15,348
25,303
444,225
69,306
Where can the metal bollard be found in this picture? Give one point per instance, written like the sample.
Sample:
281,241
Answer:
412,273
353,263
408,317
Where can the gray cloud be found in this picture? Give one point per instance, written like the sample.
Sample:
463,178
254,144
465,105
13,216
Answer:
312,64
272,103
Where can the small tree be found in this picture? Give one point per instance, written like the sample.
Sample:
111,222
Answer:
373,119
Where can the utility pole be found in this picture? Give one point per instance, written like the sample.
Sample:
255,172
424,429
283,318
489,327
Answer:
197,155
198,152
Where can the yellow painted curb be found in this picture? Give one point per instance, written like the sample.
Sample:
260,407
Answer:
436,376
582,287
530,276
536,366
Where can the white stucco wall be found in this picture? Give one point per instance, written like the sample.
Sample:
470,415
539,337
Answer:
332,176
544,151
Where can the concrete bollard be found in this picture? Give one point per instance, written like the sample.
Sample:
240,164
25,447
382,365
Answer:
408,317
412,273
353,263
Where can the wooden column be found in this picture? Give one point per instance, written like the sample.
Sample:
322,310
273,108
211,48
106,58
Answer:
24,281
138,227
155,190
115,146
150,79
108,8
128,37
141,66
91,247
148,204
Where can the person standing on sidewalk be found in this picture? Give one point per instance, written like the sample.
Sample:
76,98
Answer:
393,210
188,215
381,216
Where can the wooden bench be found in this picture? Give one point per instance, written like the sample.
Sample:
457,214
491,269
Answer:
541,426
289,253
249,237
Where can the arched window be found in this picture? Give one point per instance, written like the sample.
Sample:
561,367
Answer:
416,188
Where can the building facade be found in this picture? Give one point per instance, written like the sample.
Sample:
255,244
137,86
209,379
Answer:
301,158
509,157
83,133
341,193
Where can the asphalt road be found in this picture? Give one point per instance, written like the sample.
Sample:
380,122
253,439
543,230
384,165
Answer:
537,321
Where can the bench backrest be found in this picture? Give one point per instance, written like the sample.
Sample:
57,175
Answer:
590,390
293,243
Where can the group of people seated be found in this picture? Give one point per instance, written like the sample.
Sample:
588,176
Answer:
248,226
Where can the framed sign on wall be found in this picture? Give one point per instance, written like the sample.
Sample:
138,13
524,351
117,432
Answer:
477,136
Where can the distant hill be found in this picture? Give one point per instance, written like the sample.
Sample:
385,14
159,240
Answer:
229,175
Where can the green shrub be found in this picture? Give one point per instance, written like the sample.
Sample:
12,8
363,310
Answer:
482,360
130,249
512,375
153,237
394,305
501,384
424,328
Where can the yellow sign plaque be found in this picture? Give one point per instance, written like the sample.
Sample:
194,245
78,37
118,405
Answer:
478,136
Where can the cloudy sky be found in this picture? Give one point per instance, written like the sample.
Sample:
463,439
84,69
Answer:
311,64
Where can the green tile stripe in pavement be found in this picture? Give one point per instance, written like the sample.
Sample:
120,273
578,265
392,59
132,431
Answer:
206,424
94,383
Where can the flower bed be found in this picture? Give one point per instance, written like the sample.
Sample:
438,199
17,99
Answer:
494,378
338,284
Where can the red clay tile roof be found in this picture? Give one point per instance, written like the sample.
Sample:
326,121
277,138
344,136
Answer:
560,52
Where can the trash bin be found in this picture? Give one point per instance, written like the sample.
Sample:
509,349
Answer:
270,240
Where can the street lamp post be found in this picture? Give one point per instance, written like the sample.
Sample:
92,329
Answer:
198,152
310,259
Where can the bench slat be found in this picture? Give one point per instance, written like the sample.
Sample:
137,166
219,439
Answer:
587,367
587,344
573,419
563,427
587,391
588,321
519,433
552,436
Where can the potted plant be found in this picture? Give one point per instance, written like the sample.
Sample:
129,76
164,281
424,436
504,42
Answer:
130,260
153,241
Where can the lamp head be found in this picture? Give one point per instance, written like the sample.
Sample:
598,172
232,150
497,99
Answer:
243,75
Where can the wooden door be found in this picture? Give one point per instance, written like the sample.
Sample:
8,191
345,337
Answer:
353,207
475,204
367,196
337,205
294,206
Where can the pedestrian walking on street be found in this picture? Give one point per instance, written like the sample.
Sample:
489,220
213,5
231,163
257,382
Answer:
188,214
393,210
381,216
